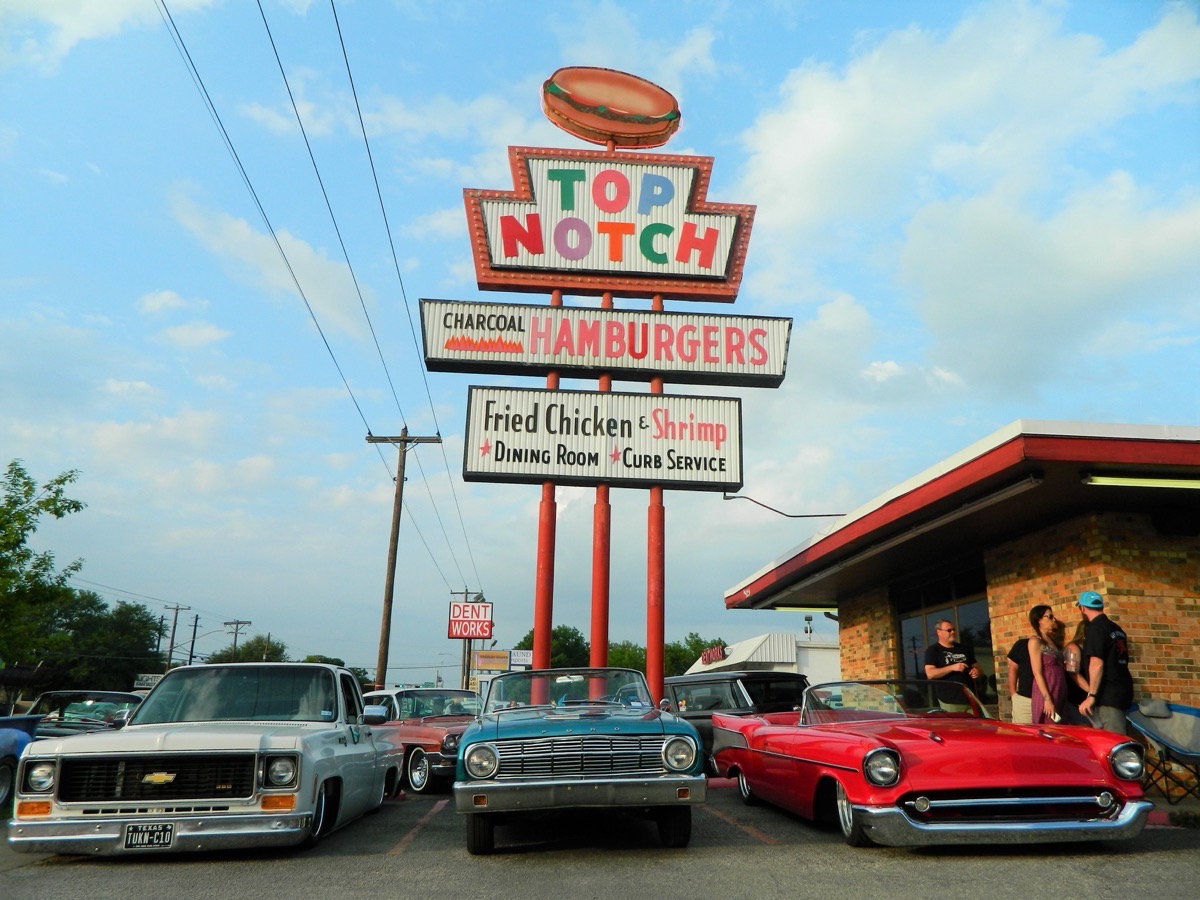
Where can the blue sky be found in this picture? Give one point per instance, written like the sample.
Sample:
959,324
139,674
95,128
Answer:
974,213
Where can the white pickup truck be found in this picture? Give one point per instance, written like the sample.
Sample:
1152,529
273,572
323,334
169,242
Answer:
217,756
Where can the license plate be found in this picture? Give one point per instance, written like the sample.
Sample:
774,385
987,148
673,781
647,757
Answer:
152,835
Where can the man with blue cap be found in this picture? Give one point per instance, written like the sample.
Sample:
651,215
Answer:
1105,666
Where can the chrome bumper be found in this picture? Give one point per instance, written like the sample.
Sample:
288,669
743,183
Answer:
105,837
891,827
505,796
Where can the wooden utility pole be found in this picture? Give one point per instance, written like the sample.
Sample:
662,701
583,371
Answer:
385,631
171,645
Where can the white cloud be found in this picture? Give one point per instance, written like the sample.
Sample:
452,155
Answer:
40,33
194,335
327,285
157,302
953,158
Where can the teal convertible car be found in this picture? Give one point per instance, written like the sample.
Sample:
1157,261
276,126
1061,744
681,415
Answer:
558,739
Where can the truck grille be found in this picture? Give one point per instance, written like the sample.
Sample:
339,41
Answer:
154,778
581,756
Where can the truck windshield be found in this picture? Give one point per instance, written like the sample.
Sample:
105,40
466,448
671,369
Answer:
241,693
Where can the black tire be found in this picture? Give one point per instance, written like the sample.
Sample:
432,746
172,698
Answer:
418,772
320,820
675,826
850,821
747,795
8,781
481,836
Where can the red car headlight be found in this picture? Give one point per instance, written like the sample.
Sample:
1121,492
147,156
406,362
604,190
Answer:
1127,761
882,767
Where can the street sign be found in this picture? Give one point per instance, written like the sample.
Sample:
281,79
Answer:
145,682
470,621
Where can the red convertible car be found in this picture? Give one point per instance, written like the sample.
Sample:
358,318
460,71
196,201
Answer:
910,763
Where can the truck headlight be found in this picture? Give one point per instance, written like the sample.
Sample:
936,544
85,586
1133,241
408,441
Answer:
679,754
481,761
39,777
281,771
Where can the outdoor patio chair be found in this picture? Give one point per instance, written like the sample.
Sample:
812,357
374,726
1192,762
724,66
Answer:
1172,731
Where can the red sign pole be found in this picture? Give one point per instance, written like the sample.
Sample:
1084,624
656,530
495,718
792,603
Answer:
656,570
601,547
543,590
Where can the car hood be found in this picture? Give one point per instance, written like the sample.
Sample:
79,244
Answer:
538,721
185,737
975,753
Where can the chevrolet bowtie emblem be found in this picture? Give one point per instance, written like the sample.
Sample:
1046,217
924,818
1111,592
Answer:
159,778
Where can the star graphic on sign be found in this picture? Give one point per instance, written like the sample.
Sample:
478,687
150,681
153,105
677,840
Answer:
486,448
615,455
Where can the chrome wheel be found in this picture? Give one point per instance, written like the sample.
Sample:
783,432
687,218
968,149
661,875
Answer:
419,775
851,822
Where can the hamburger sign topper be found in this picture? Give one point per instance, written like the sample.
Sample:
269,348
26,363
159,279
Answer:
589,222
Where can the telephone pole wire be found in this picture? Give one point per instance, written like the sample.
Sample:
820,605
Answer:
402,443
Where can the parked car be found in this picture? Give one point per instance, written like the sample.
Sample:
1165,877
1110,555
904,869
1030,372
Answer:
73,712
15,733
217,756
696,697
904,763
557,739
429,723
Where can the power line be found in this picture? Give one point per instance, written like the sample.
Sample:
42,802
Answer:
407,308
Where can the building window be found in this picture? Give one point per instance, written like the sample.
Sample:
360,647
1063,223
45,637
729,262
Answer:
961,598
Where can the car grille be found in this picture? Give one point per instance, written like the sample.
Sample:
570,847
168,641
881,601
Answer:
566,757
1015,806
156,778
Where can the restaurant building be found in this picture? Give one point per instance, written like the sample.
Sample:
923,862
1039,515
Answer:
1035,513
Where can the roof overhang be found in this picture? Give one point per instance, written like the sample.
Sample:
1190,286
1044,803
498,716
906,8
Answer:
1023,477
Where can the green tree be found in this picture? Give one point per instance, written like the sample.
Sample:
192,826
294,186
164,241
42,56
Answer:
568,647
30,588
259,648
628,655
679,657
105,649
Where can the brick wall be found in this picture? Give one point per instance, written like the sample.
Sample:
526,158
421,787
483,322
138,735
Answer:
1150,582
868,632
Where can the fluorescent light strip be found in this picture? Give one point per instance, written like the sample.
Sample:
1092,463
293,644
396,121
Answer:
1134,481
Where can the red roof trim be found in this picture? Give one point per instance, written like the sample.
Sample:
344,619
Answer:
1032,448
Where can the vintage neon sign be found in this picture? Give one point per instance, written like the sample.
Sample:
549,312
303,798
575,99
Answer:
593,437
517,339
587,222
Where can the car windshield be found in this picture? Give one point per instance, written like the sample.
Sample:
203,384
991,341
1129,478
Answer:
241,693
857,701
422,704
775,694
568,687
83,706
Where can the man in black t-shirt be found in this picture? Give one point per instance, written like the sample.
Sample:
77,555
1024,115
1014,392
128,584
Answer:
950,661
1105,666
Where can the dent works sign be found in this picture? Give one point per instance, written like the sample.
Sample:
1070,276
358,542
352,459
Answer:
587,222
593,437
470,620
516,339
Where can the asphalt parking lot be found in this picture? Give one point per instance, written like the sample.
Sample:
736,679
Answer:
415,847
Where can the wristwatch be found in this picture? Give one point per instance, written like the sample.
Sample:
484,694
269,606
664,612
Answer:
1091,695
